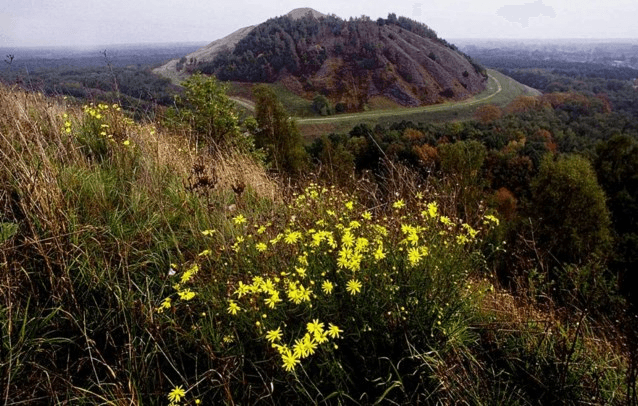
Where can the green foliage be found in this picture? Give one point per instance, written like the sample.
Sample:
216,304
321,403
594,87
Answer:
463,160
321,105
617,168
209,112
277,134
573,219
123,285
332,298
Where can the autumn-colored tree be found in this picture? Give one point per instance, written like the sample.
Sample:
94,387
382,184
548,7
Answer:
488,113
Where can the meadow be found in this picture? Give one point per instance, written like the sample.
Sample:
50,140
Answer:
139,266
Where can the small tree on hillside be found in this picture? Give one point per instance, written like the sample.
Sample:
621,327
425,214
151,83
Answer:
277,133
209,112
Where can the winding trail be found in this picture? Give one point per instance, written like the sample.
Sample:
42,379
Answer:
403,111
497,84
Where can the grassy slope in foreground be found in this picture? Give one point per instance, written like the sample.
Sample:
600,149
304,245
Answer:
501,90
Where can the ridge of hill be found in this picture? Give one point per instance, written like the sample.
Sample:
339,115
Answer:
350,61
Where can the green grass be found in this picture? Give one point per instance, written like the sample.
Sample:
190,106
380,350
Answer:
451,111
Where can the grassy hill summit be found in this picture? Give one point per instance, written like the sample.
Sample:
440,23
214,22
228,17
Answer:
349,62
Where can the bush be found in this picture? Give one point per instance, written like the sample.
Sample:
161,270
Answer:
570,207
207,110
331,300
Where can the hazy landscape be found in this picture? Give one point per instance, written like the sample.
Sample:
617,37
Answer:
308,208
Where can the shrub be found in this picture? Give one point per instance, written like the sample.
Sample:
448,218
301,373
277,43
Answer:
571,211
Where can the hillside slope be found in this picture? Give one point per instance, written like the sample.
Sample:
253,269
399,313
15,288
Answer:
350,62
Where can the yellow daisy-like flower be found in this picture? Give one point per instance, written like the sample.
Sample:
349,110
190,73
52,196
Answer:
233,308
289,360
127,143
327,287
274,335
445,220
347,240
414,256
272,301
433,209
166,304
240,219
301,271
492,219
350,205
399,204
261,247
353,287
334,331
292,237
186,294
315,327
242,289
176,394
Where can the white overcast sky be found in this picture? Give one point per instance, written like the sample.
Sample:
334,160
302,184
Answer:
102,22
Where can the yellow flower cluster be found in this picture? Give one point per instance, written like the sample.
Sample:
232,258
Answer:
103,117
315,335
328,253
184,293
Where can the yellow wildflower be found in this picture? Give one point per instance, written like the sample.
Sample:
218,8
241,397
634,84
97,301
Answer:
166,304
432,209
333,331
289,360
233,308
273,300
399,204
292,237
315,327
414,256
274,335
239,219
378,253
176,394
327,287
353,287
186,294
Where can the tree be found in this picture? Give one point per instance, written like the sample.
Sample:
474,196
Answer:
569,205
277,133
462,162
488,113
209,111
321,105
617,169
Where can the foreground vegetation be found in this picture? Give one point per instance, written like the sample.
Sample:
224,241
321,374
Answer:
146,264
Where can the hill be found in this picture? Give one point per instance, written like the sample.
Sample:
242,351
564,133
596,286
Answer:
350,62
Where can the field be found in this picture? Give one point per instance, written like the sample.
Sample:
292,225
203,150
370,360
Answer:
501,90
139,267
